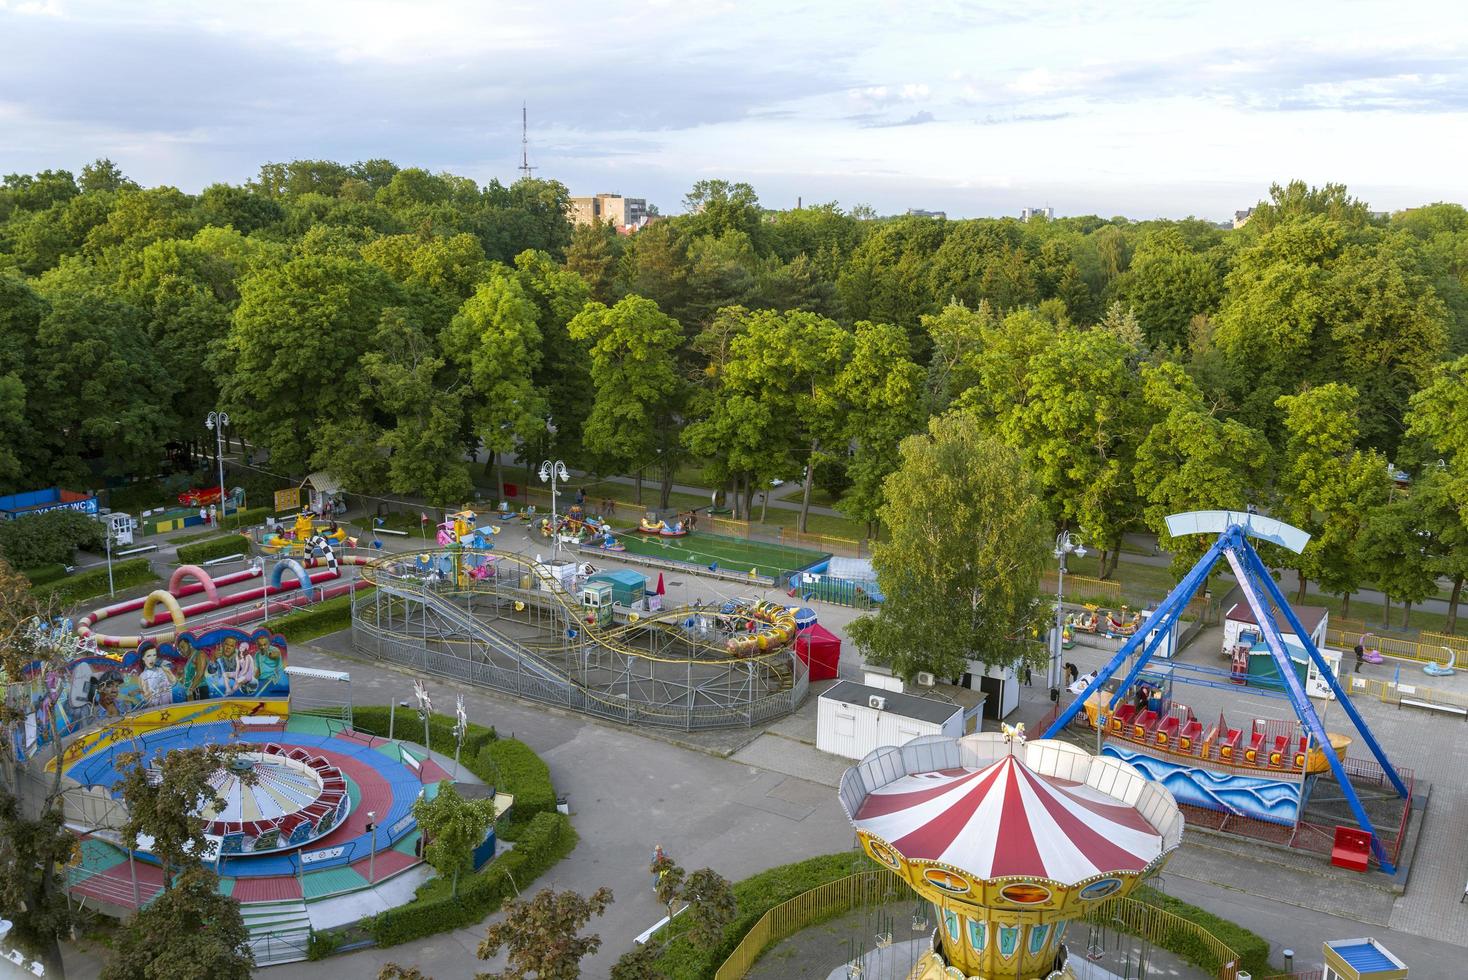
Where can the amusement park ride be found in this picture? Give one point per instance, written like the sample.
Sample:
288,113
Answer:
1265,770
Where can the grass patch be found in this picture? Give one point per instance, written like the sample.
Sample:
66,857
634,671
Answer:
44,574
731,554
1252,948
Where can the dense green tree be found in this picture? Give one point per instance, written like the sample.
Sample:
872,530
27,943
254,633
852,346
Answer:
633,347
1166,285
565,371
961,571
454,827
1328,486
592,255
165,797
716,207
191,930
1400,557
887,278
881,398
496,344
1190,459
292,358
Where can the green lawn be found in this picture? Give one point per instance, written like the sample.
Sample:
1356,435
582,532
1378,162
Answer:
731,554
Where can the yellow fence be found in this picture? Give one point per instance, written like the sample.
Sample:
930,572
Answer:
1458,644
1154,925
1389,692
1084,586
821,902
1421,651
1157,926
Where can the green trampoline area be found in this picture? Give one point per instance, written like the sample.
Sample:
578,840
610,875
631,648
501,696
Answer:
703,548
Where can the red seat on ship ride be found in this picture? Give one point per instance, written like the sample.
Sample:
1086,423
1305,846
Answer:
1188,740
1256,742
1123,717
1167,731
1144,723
1229,744
1277,754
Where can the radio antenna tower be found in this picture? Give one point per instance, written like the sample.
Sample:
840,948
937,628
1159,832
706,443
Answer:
525,167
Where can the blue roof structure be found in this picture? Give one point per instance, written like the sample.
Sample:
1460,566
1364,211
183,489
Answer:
624,577
1364,955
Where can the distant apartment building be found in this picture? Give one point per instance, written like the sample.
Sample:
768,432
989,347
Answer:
622,212
920,213
1030,214
1241,218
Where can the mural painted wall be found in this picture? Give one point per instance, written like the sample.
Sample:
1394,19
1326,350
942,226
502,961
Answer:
99,687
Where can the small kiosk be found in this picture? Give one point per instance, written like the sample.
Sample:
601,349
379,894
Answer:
1361,959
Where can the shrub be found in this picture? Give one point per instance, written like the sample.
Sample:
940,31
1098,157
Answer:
50,538
316,620
44,574
684,959
136,497
247,517
517,770
1252,948
214,547
440,732
322,944
548,838
93,582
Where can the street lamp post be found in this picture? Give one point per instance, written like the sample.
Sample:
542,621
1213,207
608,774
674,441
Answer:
1066,544
217,421
108,528
554,472
372,854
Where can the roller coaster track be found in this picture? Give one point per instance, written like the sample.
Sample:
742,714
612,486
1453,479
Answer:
380,574
383,572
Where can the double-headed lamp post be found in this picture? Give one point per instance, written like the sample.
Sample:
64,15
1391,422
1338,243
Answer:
217,421
1066,544
554,472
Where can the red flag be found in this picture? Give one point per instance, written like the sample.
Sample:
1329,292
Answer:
660,584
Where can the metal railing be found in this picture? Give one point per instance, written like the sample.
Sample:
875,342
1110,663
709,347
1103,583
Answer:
818,904
1148,922
1160,927
1421,651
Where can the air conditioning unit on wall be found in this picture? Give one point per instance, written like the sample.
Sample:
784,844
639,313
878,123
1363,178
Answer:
925,679
877,701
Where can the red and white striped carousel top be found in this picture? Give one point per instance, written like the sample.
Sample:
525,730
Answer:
1006,819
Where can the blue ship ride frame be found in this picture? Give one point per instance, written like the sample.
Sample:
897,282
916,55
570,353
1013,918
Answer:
1234,529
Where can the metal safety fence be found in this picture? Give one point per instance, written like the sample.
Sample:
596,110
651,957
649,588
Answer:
1148,922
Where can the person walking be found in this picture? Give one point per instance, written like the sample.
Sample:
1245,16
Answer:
1360,657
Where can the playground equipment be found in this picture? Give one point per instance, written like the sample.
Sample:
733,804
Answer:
1009,840
306,587
1274,765
1371,654
529,626
1444,669
652,524
1087,622
1123,626
296,540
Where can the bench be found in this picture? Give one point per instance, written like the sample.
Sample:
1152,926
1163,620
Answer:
1447,709
140,549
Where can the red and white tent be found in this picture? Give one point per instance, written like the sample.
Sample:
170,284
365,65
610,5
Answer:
1005,819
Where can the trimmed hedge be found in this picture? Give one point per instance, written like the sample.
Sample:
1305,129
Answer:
211,548
246,517
44,574
508,764
408,728
93,582
1252,948
318,619
515,768
548,838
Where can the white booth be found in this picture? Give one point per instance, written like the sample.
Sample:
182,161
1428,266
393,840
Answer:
853,719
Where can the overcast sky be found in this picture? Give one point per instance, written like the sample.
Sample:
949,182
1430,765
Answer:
1143,109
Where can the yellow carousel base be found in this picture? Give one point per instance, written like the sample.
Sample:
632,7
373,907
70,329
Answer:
932,967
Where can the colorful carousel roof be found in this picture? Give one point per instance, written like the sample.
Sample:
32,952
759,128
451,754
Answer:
273,799
993,810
